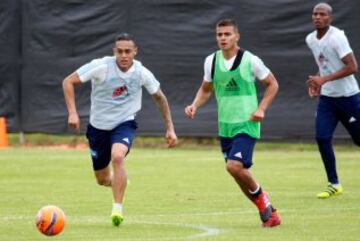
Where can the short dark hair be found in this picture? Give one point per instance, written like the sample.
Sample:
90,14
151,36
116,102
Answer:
325,6
227,22
125,37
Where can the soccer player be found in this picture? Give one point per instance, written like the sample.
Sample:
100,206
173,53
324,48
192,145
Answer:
339,98
230,72
116,95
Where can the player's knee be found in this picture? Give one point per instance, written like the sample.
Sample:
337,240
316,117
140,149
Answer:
118,159
103,181
234,168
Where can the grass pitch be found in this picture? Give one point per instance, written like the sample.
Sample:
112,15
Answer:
179,194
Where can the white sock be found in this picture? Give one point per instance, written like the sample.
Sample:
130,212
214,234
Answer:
256,190
117,206
336,185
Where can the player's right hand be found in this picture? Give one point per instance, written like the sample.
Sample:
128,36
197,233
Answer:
313,91
74,122
190,111
171,138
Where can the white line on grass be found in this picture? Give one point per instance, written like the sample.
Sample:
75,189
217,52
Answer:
237,212
233,212
206,231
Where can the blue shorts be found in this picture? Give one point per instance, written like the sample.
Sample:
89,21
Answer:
331,110
239,148
101,141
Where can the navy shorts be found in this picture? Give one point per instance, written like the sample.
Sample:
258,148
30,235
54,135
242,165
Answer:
239,148
331,110
101,141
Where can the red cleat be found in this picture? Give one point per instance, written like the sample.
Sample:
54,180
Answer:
273,221
268,214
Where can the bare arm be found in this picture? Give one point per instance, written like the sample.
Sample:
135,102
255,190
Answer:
68,87
163,106
272,88
350,67
201,97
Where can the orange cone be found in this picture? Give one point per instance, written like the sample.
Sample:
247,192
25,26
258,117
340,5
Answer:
3,133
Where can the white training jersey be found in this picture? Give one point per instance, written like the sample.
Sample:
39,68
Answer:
328,52
115,95
260,71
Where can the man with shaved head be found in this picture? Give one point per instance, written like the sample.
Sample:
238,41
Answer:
337,88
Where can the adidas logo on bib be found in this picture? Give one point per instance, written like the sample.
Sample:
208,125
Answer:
231,85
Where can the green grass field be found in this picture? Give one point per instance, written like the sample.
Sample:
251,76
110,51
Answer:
179,194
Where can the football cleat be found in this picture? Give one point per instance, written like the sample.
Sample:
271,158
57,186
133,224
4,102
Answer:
116,217
331,191
273,220
268,214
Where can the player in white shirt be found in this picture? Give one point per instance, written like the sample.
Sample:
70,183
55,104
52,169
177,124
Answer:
116,95
339,98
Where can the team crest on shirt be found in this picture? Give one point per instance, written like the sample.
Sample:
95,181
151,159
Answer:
321,58
122,90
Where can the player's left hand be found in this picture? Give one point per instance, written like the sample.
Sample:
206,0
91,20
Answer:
171,138
315,81
258,115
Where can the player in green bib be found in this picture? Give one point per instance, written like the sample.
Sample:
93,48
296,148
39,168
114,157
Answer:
236,97
230,73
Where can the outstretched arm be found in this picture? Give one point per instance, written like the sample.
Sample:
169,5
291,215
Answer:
163,106
201,97
68,87
272,88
